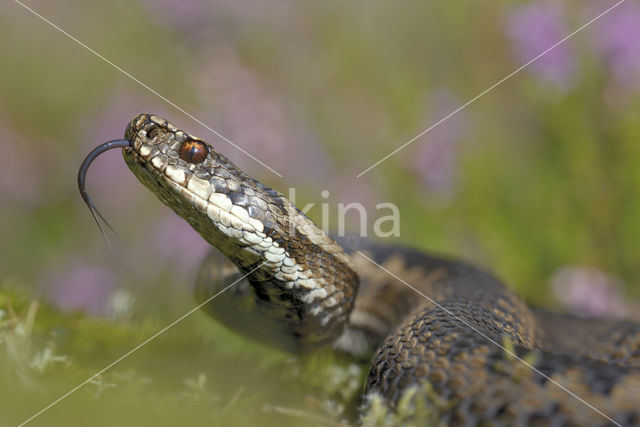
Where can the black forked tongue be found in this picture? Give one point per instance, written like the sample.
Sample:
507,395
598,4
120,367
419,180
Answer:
82,175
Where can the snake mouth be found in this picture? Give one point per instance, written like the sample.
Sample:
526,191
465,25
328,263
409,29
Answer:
149,140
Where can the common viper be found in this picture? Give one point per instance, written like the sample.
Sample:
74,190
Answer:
424,318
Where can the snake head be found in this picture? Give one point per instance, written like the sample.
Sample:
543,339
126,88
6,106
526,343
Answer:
198,183
254,226
176,166
157,141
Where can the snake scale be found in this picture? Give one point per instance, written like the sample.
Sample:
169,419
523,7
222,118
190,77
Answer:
299,289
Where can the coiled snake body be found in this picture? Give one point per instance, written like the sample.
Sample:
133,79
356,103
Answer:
303,290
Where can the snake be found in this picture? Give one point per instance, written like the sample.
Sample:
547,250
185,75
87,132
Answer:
420,319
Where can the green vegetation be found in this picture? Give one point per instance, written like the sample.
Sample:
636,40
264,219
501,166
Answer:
538,175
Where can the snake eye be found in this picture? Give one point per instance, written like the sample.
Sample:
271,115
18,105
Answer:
193,151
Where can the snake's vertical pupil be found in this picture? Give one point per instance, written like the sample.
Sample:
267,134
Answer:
193,151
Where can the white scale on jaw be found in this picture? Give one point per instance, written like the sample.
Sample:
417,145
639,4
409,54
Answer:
235,222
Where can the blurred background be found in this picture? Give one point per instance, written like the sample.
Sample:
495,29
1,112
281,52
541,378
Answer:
538,181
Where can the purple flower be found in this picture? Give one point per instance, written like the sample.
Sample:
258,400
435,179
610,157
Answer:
81,287
347,190
436,164
589,292
436,157
109,181
259,121
616,39
177,243
22,167
182,14
532,29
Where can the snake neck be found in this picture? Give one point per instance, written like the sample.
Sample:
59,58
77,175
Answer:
302,278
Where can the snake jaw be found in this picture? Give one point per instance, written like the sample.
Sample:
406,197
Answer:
251,224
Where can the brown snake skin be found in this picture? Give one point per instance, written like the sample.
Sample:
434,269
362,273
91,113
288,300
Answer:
305,290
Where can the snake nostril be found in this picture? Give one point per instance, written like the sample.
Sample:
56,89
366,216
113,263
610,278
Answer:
152,132
193,151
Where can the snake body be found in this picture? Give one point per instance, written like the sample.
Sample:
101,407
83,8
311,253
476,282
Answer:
299,289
